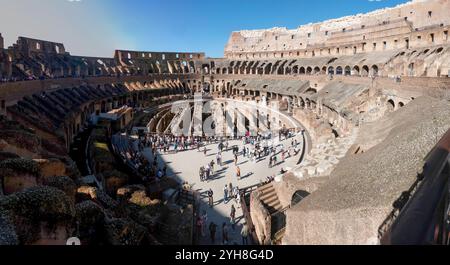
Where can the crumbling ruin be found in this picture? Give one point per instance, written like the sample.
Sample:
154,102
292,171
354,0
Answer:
371,90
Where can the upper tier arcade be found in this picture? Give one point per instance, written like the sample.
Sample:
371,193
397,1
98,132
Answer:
415,24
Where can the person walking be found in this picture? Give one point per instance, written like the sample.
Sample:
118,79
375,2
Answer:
204,222
212,232
219,159
201,173
235,193
230,190
238,172
199,228
224,234
244,234
225,194
238,197
207,172
211,164
210,197
233,217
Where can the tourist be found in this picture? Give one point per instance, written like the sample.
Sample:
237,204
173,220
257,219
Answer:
207,172
211,164
201,173
230,190
210,197
212,232
232,216
224,234
204,222
270,162
238,172
238,196
204,151
199,227
225,194
219,159
244,234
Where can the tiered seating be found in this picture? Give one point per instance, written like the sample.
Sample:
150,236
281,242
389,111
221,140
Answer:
48,111
124,148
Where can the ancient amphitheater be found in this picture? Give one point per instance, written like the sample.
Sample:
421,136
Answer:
338,130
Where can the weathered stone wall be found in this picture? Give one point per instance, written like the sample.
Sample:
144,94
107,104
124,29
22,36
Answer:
261,219
348,35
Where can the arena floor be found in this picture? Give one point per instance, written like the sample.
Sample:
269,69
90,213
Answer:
185,165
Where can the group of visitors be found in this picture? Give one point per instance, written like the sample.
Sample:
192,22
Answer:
225,233
230,193
207,171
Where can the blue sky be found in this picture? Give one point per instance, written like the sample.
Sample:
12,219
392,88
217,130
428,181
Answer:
97,27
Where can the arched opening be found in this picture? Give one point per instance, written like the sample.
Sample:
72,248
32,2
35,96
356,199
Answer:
331,70
401,104
301,102
302,70
280,70
355,70
339,70
308,70
365,70
298,197
374,70
295,70
347,71
391,105
287,71
316,70
411,69
268,69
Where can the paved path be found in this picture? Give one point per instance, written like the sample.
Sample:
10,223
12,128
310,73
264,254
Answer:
185,167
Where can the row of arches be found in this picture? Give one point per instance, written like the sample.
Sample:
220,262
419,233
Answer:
283,68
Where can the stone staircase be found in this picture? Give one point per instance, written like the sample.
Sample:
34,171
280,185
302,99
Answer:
270,199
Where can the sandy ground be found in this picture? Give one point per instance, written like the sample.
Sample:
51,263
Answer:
185,165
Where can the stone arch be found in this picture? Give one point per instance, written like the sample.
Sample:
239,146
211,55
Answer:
331,70
287,71
309,70
301,102
390,105
302,70
295,70
268,69
355,70
374,70
347,71
365,70
316,70
339,70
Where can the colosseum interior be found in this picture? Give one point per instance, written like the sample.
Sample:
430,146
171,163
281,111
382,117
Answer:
350,145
